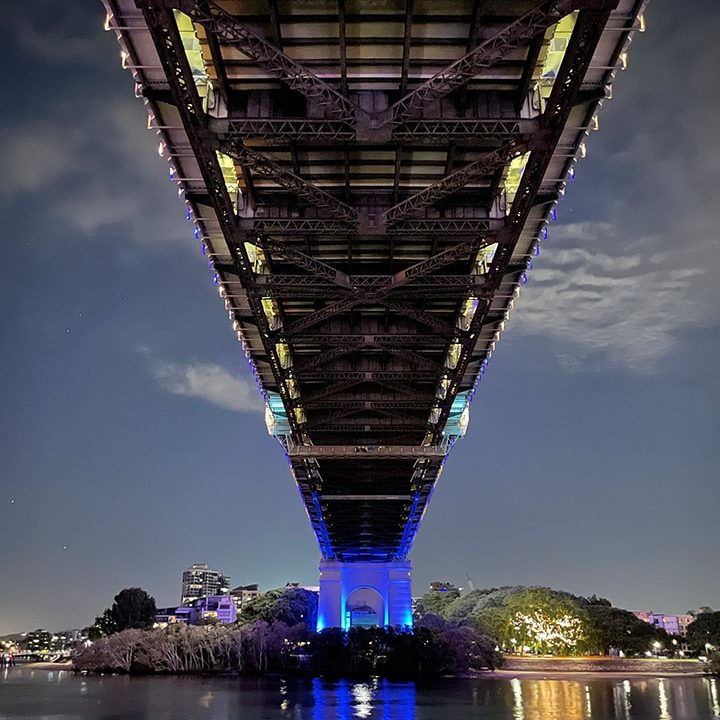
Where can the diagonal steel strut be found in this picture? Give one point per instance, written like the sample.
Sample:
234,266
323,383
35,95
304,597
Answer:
489,52
302,188
230,31
417,203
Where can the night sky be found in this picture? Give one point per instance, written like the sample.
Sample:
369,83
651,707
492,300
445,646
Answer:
132,442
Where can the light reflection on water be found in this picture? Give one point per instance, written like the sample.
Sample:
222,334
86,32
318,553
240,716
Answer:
27,694
713,692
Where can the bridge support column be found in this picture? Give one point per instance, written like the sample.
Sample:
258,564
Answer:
364,593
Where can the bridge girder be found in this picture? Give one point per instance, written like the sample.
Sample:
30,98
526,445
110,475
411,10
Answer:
368,277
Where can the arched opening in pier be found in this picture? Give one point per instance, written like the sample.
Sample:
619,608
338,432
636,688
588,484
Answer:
364,607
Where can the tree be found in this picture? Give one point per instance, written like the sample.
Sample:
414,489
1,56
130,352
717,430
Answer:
436,602
612,627
133,609
329,653
103,626
260,607
546,621
294,606
289,605
468,606
703,631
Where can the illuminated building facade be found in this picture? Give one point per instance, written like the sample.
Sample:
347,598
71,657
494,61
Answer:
673,624
243,594
200,581
369,185
213,607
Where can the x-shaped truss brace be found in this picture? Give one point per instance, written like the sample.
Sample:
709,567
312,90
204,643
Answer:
230,31
305,190
416,204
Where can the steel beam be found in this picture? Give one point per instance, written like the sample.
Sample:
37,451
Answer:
425,131
486,54
444,226
286,129
417,203
297,225
464,131
360,405
330,310
408,391
420,316
397,340
407,41
230,31
325,356
370,375
463,251
315,267
329,390
168,44
366,425
583,42
364,498
343,47
268,168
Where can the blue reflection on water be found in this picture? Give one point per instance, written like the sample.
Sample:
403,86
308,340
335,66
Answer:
375,699
38,694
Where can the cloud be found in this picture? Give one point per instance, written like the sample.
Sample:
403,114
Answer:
621,291
88,184
601,305
211,383
36,155
49,31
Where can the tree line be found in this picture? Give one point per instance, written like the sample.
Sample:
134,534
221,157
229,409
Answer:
546,621
452,634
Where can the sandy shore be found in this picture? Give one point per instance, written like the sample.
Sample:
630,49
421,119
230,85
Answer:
503,674
589,667
67,665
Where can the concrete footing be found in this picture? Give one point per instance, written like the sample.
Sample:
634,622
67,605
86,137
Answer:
364,593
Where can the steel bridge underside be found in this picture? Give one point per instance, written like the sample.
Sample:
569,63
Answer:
369,182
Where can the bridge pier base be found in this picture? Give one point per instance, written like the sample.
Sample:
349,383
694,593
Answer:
364,593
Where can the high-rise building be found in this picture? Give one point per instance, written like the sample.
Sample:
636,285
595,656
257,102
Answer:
199,581
243,594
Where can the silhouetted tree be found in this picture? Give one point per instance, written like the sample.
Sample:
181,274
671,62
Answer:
133,609
329,655
703,630
612,627
103,626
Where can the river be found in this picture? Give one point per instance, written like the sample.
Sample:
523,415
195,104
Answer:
27,693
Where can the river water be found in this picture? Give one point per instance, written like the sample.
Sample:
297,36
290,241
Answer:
50,695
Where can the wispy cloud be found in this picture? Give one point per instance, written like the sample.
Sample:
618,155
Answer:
49,31
208,382
623,291
36,155
89,185
603,306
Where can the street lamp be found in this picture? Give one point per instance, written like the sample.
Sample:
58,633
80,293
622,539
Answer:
657,647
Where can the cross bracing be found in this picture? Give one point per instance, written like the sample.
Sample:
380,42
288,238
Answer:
369,183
